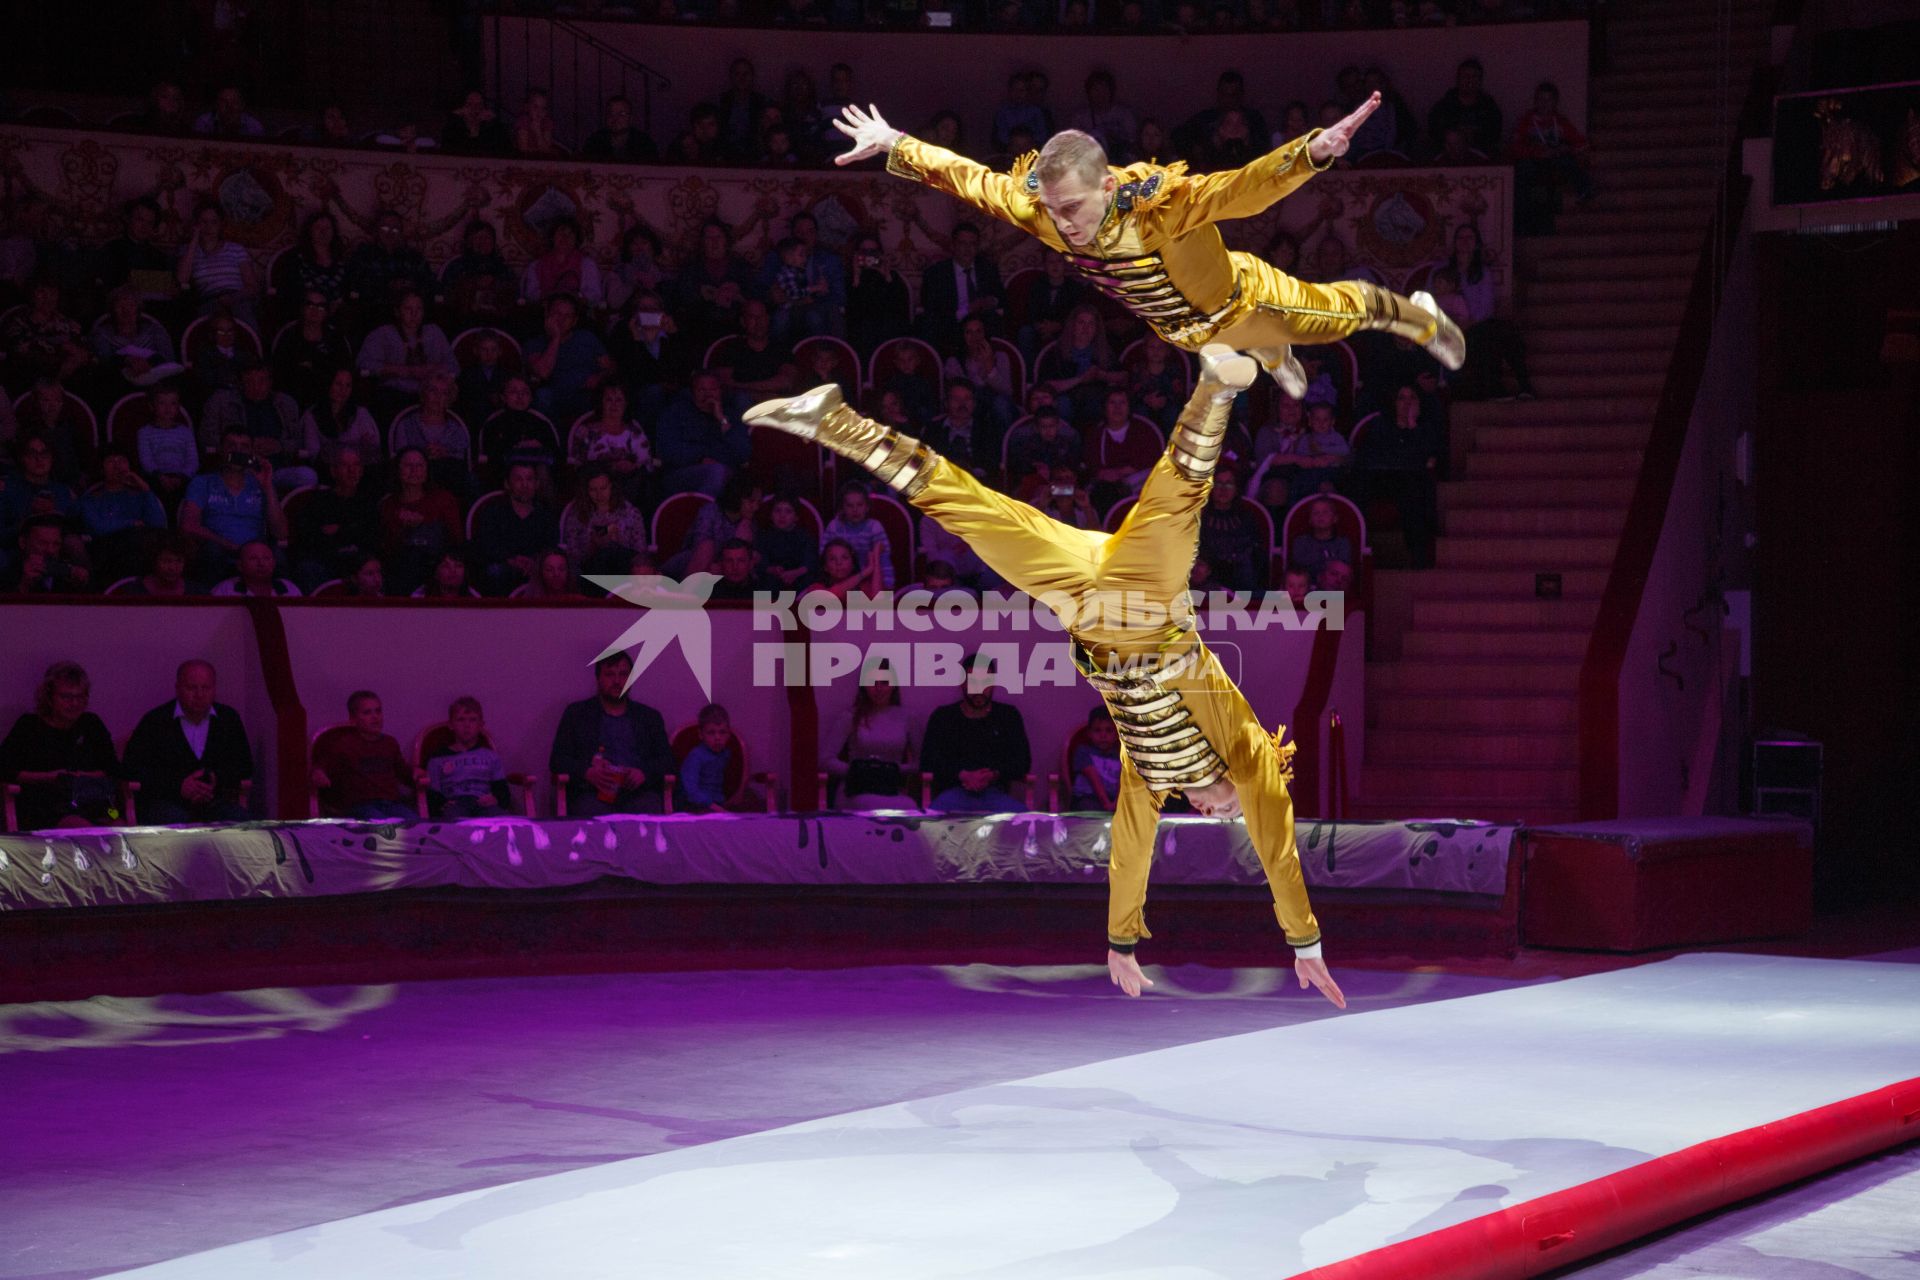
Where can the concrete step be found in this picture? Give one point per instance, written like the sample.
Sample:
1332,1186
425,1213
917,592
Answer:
1631,379
1593,360
1602,410
1518,711
1683,55
1545,268
1530,553
1663,130
1557,521
1643,340
1636,288
1633,152
1627,191
1491,439
1505,613
1583,466
1658,220
1615,247
1531,493
1495,643
1495,782
1495,584
1467,675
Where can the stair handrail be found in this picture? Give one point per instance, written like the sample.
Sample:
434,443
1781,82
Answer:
649,75
1599,697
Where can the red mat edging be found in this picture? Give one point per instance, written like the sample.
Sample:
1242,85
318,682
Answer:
1556,1230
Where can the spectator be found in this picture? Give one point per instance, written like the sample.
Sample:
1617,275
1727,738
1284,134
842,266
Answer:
700,143
1230,144
738,580
840,95
169,452
701,437
166,573
968,569
121,516
465,778
166,111
220,272
975,748
1111,122
702,785
641,268
617,138
368,580
909,378
711,287
509,535
190,755
39,341
1036,446
418,521
1060,495
959,286
519,433
1232,537
381,271
1120,452
136,256
1326,452
984,368
61,756
841,574
871,748
45,565
332,131
1322,543
480,389
800,290
229,117
61,422
962,434
307,353
478,284
437,431
1230,94
939,579
32,490
1080,369
877,302
474,129
225,509
552,578
857,528
255,563
1467,106
447,580
339,421
533,131
613,440
565,360
732,515
358,769
338,526
216,363
268,418
649,353
600,530
1096,765
401,356
787,553
1492,341
1335,575
755,361
1401,459
740,108
564,269
1549,152
1297,583
1392,127
800,108
1050,300
612,749
319,261
1153,145
1295,122
1022,110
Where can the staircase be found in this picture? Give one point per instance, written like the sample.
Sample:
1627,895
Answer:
1472,691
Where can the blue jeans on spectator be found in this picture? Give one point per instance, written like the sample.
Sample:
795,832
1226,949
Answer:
176,812
470,807
381,810
961,800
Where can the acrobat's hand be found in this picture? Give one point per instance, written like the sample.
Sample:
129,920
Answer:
1315,971
1333,142
1125,972
872,135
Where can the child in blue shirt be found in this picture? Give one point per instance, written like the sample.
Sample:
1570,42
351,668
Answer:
703,774
860,531
1096,764
467,779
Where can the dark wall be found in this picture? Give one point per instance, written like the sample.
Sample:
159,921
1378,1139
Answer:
1835,609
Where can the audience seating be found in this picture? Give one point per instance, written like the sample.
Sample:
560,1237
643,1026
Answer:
898,522
673,520
739,769
434,739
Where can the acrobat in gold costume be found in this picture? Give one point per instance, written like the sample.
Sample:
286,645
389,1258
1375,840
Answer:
1123,596
1159,253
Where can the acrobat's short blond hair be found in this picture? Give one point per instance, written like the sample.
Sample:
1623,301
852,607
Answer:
1071,153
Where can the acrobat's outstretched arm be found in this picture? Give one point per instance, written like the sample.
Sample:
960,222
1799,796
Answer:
907,157
1252,188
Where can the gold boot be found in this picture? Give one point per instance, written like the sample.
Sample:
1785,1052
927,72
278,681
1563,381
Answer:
821,415
1285,368
1201,431
1419,319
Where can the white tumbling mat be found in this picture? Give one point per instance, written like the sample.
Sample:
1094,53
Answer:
1253,1156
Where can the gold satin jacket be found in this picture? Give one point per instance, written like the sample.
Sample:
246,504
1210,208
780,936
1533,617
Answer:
1158,252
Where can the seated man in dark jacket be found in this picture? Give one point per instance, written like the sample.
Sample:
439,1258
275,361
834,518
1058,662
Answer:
613,750
190,755
976,748
338,525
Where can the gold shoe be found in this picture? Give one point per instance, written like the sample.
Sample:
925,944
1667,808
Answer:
1448,344
822,415
1226,370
